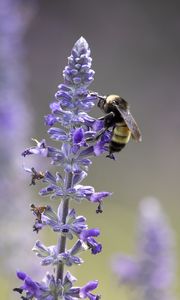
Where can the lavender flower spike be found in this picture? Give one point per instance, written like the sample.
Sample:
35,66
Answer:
72,127
150,273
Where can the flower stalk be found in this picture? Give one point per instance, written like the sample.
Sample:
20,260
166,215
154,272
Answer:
62,239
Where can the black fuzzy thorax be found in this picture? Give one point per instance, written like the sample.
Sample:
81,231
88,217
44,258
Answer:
112,120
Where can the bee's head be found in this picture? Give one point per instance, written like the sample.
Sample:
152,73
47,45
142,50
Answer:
123,103
101,102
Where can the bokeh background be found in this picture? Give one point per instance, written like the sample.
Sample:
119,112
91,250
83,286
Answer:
135,47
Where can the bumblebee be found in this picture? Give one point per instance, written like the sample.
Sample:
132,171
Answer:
117,116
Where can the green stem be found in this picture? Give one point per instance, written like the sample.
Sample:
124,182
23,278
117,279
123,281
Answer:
62,239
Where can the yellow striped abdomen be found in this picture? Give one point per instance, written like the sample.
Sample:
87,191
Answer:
120,137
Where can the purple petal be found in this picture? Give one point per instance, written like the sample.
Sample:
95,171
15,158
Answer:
89,233
64,95
87,152
99,148
21,275
66,150
40,149
64,87
98,125
91,285
93,245
78,246
69,280
97,197
85,162
30,285
78,135
58,134
79,177
49,177
50,120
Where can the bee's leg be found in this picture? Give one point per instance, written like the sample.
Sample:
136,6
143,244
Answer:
109,115
97,136
101,132
107,123
111,156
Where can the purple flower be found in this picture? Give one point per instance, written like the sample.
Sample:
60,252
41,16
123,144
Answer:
40,149
58,134
101,146
80,192
50,255
74,225
73,96
50,289
32,288
75,131
98,197
78,136
69,257
85,291
87,236
91,232
151,271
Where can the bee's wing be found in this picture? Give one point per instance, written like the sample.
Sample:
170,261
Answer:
28,170
131,124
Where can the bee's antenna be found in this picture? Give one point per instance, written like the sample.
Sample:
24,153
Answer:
102,97
97,95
